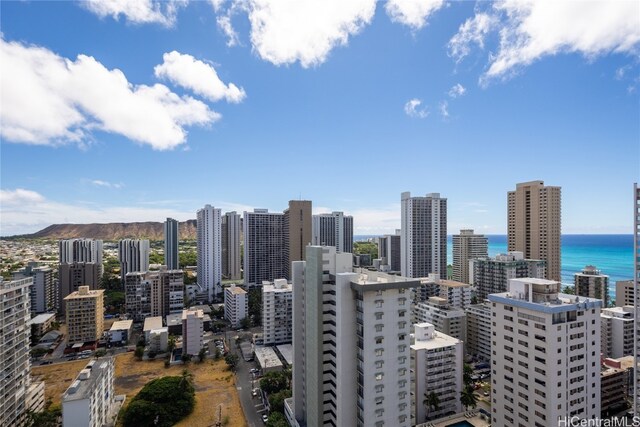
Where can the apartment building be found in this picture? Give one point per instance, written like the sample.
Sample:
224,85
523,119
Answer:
333,229
467,246
545,355
446,318
491,275
534,224
154,293
133,255
617,331
43,291
85,315
592,283
389,250
624,293
614,386
636,279
18,393
209,248
90,399
231,224
236,305
436,368
81,250
192,331
277,312
478,343
457,294
73,275
264,247
350,342
171,244
297,225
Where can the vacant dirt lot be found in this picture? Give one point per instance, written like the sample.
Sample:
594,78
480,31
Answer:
214,385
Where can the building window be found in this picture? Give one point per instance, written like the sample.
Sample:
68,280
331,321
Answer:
379,376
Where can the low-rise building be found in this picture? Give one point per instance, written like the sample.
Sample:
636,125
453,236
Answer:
85,315
478,343
41,324
267,359
436,364
151,323
617,331
158,340
120,332
236,305
174,323
277,312
192,331
89,400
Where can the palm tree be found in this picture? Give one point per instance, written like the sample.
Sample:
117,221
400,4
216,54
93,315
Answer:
186,378
431,401
468,398
467,372
171,345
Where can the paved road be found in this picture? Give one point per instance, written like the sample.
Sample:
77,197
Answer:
250,405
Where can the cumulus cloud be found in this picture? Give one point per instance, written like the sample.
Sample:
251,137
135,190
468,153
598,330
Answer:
201,78
412,109
413,13
19,196
457,90
225,25
530,30
48,100
304,31
137,11
101,183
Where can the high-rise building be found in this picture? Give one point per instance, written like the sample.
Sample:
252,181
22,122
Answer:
591,283
457,294
297,233
43,292
436,362
231,246
192,331
72,276
467,246
81,250
624,293
389,251
546,355
85,315
534,218
617,331
17,393
423,240
89,401
236,305
351,343
171,241
133,256
334,229
277,312
443,316
491,275
636,279
154,293
478,341
264,247
209,243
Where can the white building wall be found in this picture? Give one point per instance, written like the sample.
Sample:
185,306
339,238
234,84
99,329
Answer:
209,269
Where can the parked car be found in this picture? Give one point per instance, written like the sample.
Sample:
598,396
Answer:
265,417
254,370
254,392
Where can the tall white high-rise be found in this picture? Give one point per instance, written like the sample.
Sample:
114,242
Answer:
389,250
264,247
171,239
81,250
636,278
334,229
236,305
467,246
231,246
133,256
43,292
423,240
546,355
209,243
351,343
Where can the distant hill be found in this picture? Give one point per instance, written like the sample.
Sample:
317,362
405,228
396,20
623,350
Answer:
113,231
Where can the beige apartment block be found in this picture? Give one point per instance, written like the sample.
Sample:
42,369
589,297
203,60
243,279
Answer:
297,232
85,314
467,246
534,223
624,293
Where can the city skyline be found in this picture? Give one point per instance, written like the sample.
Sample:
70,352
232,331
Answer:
433,93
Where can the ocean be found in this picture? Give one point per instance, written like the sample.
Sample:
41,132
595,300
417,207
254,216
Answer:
612,254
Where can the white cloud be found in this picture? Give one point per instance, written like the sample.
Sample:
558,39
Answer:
224,24
101,183
457,90
201,78
444,109
305,31
48,100
473,30
413,13
137,11
529,30
19,196
411,108
384,220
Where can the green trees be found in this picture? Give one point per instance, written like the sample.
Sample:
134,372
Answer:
245,323
187,258
277,419
276,400
232,361
366,248
432,402
468,398
139,352
255,306
273,382
171,343
47,418
467,372
162,402
202,354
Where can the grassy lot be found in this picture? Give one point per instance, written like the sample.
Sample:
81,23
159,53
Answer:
213,383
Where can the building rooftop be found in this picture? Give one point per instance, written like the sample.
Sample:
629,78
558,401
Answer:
205,308
191,312
426,338
84,292
278,285
286,351
42,318
453,284
267,358
120,325
174,319
235,290
152,323
84,384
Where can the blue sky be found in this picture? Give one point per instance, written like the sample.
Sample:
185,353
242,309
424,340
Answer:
112,112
